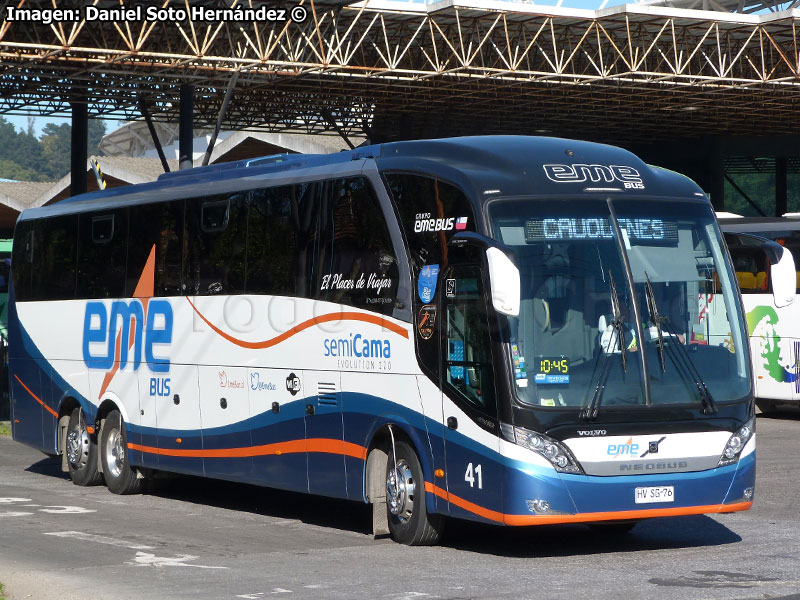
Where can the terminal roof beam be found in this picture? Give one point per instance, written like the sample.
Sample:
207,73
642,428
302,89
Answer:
403,70
153,134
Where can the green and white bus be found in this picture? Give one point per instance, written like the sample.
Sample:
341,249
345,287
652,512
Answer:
762,251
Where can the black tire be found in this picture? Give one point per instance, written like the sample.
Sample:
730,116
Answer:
409,521
120,477
614,527
81,451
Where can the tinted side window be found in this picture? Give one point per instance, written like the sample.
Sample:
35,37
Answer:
21,255
5,273
425,207
217,230
468,357
54,258
751,265
158,226
281,240
431,212
102,254
357,265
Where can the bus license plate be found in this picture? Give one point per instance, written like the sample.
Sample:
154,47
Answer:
648,495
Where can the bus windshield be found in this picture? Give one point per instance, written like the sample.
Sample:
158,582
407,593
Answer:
587,333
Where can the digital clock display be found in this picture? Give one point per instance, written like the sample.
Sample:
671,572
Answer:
552,370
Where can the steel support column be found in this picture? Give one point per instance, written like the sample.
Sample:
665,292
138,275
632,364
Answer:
716,188
185,135
781,167
79,146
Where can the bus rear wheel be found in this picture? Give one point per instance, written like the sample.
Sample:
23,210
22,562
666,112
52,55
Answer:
81,451
409,520
120,477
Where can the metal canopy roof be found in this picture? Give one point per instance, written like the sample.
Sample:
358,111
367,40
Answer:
401,70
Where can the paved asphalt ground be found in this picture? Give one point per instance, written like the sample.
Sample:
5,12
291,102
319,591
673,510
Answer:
198,539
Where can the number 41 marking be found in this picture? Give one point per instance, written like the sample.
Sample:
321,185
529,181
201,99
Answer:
472,474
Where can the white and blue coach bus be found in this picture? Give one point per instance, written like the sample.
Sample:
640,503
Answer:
503,329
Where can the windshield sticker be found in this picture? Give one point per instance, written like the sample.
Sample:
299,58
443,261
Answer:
520,374
426,283
426,321
450,288
423,222
551,370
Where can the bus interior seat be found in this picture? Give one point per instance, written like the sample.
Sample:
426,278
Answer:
747,281
761,280
456,354
558,327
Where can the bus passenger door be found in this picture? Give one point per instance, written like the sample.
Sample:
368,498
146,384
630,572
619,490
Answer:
324,434
469,405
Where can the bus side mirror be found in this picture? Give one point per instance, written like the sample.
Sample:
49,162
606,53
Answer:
504,278
784,278
504,281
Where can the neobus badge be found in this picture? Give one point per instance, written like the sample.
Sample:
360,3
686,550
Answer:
578,173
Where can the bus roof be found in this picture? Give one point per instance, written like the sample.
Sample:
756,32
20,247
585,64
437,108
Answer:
759,224
485,166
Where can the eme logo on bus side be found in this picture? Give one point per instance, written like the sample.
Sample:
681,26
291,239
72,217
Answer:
578,173
127,336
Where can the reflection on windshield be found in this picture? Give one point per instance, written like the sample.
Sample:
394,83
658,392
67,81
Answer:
574,341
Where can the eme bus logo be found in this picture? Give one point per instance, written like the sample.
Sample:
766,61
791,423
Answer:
122,329
626,449
628,176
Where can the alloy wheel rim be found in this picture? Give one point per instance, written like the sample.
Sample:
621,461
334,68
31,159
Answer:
400,488
115,453
78,446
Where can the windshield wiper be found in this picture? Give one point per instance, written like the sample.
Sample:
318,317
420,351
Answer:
680,359
655,318
617,321
593,407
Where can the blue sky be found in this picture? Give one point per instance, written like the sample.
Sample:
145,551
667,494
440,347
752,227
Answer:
21,122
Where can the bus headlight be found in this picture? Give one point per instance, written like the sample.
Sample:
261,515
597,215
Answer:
554,451
737,442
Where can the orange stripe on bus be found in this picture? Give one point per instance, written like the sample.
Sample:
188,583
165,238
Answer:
583,517
35,397
341,316
322,445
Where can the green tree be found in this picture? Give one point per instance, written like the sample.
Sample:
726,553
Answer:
56,141
23,150
97,129
56,144
11,170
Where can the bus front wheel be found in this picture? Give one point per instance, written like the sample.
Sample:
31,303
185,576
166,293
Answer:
120,477
409,520
81,451
766,406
